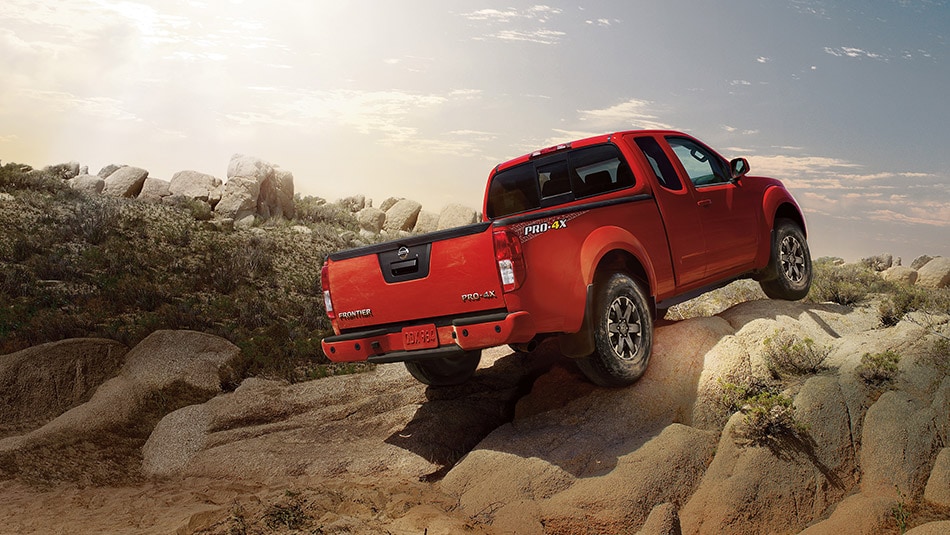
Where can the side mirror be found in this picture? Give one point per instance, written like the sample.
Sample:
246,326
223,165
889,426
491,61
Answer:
739,168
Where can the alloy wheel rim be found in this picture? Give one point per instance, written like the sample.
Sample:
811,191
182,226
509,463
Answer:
624,327
792,256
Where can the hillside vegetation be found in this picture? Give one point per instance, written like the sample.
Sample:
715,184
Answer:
79,265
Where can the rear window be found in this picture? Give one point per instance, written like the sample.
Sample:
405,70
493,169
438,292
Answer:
557,179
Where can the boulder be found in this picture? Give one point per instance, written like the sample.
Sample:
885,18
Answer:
939,527
255,187
388,203
194,185
249,167
899,441
878,262
920,261
800,475
277,195
571,445
663,520
456,215
426,222
125,182
374,425
96,442
371,219
106,171
402,215
88,184
239,199
935,274
39,383
858,513
154,190
901,275
6,197
353,204
937,490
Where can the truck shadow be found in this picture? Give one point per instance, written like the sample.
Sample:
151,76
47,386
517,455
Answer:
540,406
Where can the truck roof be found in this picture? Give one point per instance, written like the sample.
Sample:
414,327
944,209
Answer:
583,142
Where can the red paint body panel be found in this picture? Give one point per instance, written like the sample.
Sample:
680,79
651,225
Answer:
682,240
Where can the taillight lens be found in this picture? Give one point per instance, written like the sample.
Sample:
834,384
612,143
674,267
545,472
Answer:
325,283
510,258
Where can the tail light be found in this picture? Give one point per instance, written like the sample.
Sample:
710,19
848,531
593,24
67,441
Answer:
510,258
325,283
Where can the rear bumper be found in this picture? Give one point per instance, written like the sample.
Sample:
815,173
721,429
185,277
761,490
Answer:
387,345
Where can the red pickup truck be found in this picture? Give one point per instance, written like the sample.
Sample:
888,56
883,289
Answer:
584,241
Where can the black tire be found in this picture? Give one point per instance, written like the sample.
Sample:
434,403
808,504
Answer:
623,333
789,273
445,371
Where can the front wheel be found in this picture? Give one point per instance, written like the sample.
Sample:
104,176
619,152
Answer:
445,371
623,333
789,270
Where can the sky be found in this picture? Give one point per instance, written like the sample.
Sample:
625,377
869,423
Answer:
845,101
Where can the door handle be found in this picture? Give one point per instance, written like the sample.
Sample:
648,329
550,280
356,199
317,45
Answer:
705,203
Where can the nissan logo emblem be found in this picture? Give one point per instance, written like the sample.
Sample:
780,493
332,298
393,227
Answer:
403,252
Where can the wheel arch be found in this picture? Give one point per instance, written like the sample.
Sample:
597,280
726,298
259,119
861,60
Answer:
608,250
616,248
789,211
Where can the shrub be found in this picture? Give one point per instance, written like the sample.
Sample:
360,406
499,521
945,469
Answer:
317,210
879,369
788,355
846,284
899,302
767,415
289,514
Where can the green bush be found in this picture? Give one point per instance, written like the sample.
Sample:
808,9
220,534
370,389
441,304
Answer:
879,369
846,284
767,415
787,355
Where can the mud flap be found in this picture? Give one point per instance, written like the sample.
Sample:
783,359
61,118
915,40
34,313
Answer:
580,344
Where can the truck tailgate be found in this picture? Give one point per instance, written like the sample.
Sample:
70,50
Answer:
417,279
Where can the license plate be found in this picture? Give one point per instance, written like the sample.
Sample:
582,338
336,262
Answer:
420,337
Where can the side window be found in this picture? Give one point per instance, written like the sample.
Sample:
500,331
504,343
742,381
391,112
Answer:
512,191
665,172
702,166
598,170
556,180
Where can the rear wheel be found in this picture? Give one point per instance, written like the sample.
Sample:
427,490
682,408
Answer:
789,270
446,371
623,333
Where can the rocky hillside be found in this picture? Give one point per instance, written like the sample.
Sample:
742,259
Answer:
768,417
755,416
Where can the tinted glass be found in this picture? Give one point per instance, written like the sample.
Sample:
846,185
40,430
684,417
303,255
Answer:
514,190
662,167
598,170
557,179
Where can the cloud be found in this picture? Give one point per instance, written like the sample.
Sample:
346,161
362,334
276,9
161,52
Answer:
851,52
526,23
786,165
633,113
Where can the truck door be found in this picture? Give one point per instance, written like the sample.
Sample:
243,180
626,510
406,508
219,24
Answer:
726,209
684,228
